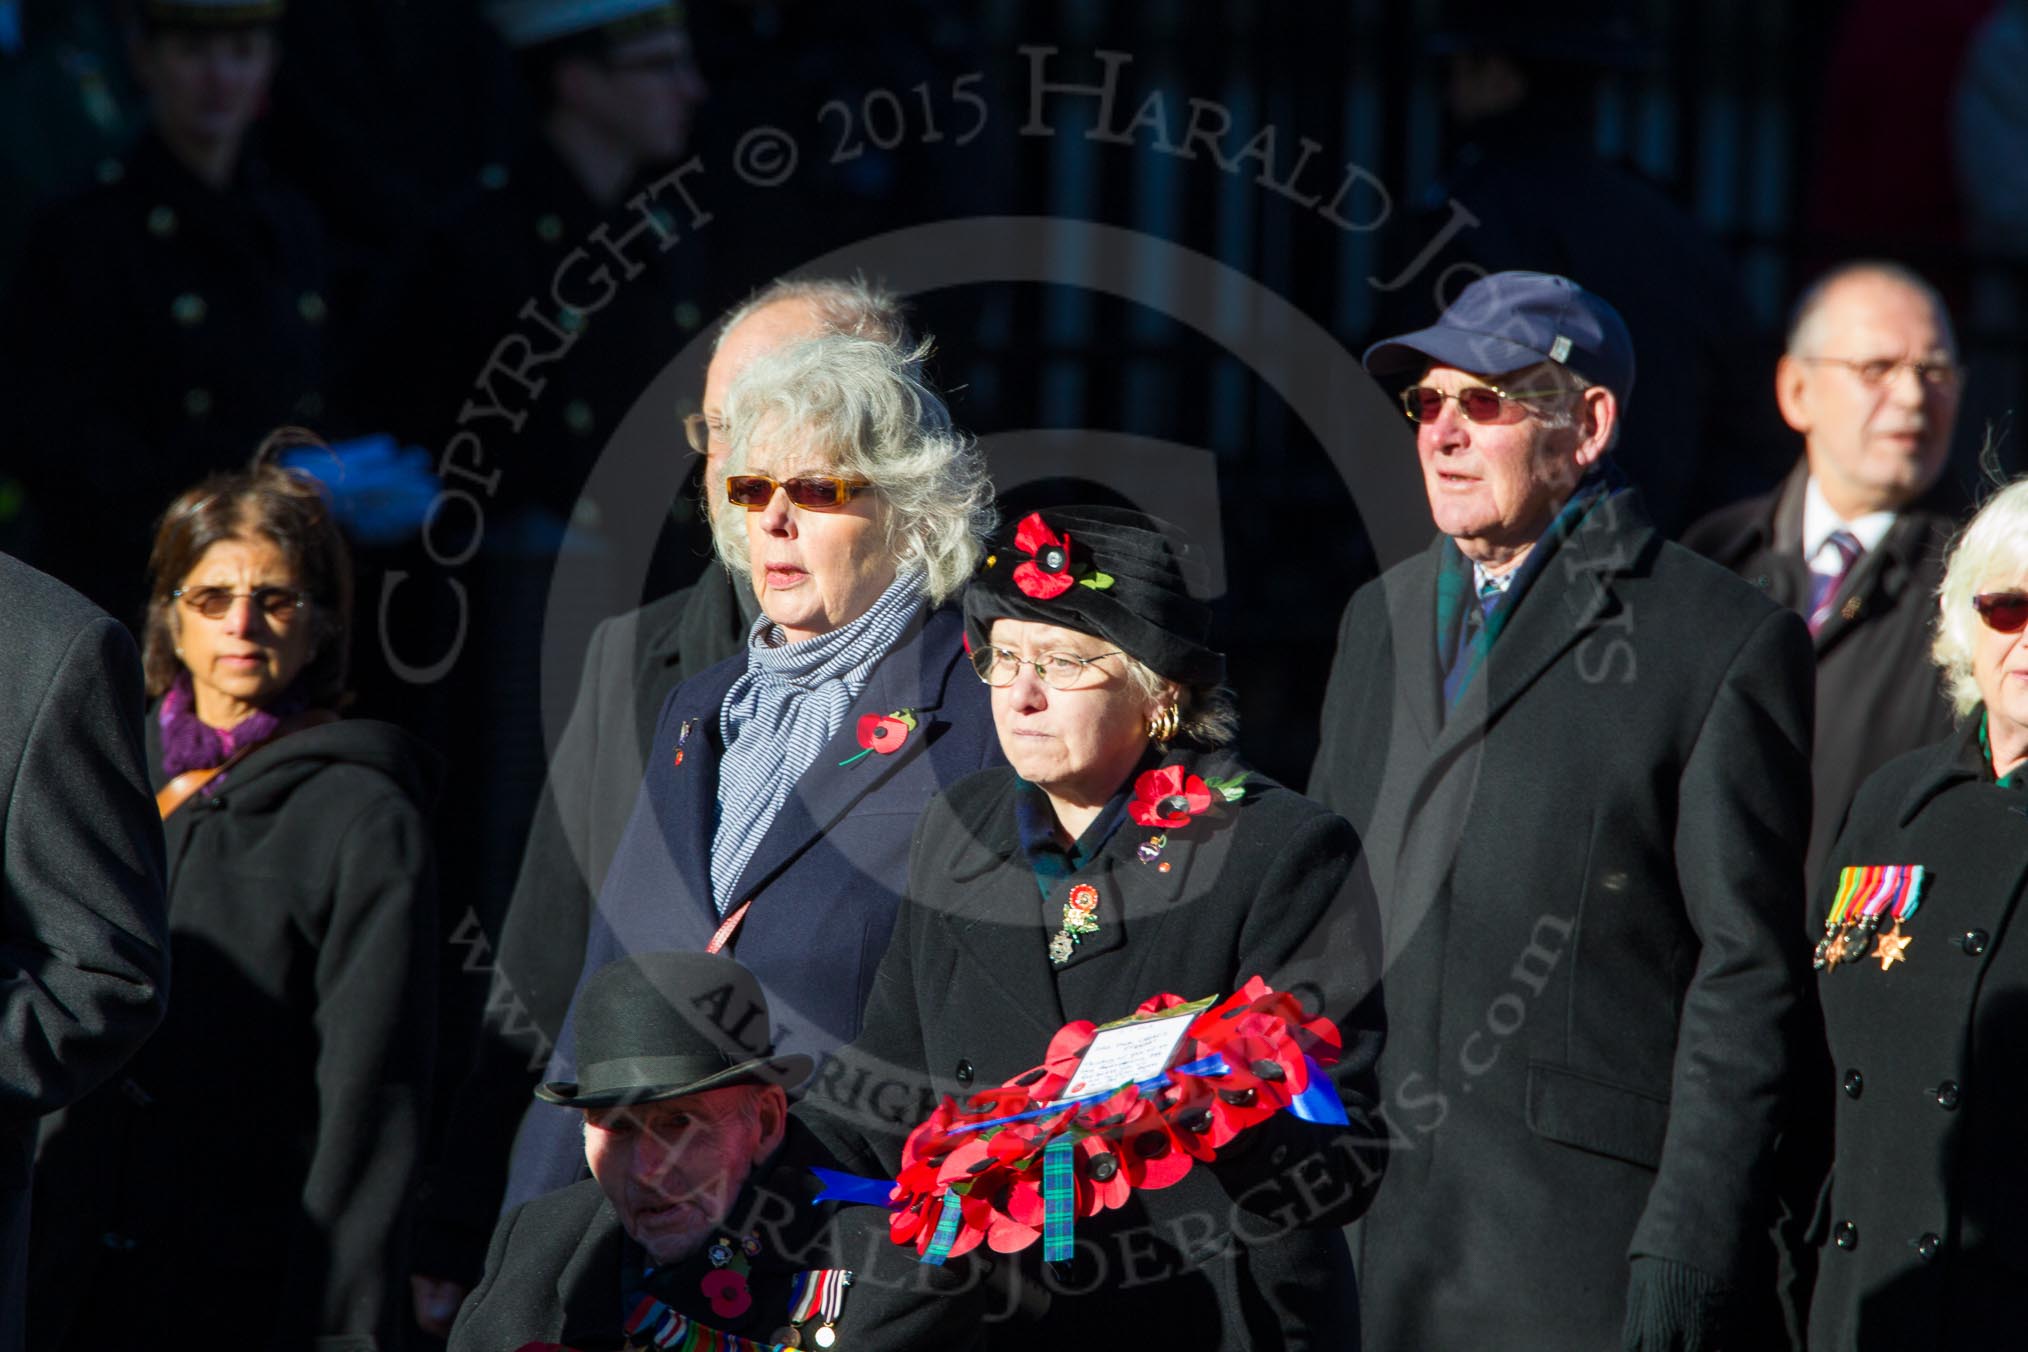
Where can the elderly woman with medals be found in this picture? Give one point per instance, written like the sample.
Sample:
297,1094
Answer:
1125,853
1925,997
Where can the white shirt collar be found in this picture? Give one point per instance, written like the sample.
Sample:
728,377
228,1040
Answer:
1819,521
1500,581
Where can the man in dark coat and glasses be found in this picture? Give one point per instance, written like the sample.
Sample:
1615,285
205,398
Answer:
1578,758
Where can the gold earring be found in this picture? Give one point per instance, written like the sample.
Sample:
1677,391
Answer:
1162,728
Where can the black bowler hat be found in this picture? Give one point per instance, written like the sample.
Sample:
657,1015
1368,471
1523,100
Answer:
662,1025
1120,574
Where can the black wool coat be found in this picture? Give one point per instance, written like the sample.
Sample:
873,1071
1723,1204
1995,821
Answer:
1245,1253
1921,1221
256,1163
84,953
633,664
1878,694
555,1270
1589,874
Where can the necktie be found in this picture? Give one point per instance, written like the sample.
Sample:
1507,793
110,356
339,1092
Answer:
1824,584
1476,618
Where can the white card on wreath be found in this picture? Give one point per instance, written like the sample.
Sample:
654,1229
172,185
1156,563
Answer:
1132,1049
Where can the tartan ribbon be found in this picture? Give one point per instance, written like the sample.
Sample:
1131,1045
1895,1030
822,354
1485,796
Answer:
948,1217
1059,1194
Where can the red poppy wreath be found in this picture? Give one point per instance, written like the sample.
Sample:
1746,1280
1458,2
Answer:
974,1172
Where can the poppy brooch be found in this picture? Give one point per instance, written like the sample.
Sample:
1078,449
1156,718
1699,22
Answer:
882,734
1050,570
1169,797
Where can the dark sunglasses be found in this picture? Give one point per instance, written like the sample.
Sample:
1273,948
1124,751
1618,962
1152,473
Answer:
1479,403
811,492
277,603
2003,612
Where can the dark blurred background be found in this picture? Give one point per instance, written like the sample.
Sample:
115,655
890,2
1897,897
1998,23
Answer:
1695,161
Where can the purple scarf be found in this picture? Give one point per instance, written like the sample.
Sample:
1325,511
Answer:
189,743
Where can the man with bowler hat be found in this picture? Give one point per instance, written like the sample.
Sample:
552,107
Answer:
692,1216
1578,758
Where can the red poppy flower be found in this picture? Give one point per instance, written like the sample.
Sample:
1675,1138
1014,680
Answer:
1047,573
882,733
1169,796
1048,1080
1015,1221
1258,1010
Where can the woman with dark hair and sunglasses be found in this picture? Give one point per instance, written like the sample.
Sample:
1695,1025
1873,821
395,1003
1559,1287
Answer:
783,784
1925,994
1124,852
252,1171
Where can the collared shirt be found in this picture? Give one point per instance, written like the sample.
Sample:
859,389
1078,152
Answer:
1035,824
1819,520
1499,582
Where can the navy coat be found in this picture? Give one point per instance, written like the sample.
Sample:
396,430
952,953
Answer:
825,881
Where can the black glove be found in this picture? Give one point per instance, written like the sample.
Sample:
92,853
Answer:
1672,1307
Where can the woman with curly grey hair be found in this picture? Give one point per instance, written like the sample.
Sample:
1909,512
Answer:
783,784
1925,1000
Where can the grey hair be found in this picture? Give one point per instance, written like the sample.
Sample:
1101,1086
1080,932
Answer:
851,306
1809,306
1558,410
1991,549
864,408
1206,715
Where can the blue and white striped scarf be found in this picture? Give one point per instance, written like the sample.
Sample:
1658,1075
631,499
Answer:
779,715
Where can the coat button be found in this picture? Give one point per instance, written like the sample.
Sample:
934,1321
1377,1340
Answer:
964,1072
1973,942
1947,1095
1846,1235
1855,1084
1927,1246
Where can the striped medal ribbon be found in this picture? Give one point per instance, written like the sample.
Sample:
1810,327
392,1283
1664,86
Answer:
1867,894
819,1293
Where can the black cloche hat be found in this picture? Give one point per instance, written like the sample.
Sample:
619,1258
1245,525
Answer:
662,1025
1120,574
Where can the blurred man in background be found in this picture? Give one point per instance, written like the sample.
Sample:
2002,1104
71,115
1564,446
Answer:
1871,382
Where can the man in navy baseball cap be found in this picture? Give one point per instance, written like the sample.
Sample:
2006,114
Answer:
1524,380
1509,320
1583,753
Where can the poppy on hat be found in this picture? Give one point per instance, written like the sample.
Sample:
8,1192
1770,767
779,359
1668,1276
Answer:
654,1026
1109,571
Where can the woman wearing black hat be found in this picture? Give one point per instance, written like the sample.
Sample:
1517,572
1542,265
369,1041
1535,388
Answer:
1126,853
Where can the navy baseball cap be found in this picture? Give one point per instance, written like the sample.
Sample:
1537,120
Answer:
1507,320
